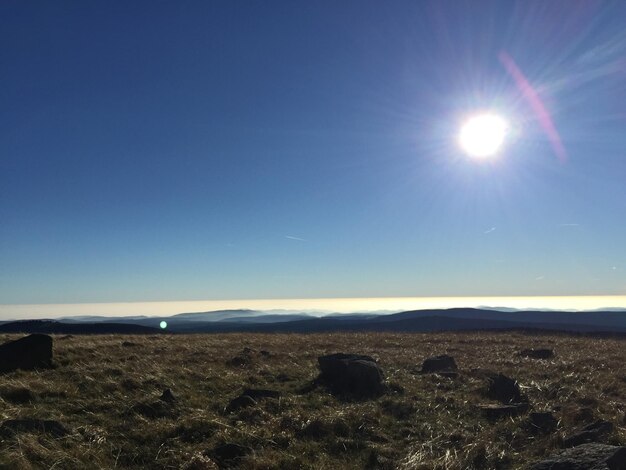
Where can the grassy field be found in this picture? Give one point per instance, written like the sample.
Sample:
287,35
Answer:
105,390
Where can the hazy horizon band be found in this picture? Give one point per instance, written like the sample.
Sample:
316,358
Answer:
340,305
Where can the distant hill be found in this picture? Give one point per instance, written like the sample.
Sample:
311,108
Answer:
56,327
455,319
604,319
421,324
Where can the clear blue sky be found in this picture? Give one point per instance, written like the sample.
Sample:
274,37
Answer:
166,150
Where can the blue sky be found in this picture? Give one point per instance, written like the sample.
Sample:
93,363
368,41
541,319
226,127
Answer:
166,150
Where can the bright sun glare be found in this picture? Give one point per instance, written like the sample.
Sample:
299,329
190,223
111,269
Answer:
482,135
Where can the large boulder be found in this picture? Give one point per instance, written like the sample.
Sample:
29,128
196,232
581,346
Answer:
351,375
443,363
586,457
30,352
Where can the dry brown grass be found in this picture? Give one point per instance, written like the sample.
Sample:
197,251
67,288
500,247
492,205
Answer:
98,382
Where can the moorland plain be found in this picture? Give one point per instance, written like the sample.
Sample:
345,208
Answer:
107,394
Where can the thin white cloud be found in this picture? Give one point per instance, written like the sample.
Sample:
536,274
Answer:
489,231
540,278
290,237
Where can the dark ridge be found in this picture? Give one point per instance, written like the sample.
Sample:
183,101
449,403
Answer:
55,327
406,325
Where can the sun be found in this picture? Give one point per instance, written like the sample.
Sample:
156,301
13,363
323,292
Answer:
483,135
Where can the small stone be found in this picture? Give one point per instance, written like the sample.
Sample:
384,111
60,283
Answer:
154,410
537,353
239,361
242,401
443,363
316,429
503,388
230,452
543,422
167,396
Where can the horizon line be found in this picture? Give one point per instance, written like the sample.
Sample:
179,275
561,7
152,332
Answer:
321,304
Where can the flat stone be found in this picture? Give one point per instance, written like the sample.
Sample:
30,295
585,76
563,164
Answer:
258,393
591,433
586,457
494,412
15,426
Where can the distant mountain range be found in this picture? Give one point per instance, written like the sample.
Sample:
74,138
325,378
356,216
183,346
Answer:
456,319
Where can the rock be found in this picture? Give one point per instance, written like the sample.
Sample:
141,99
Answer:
316,429
451,374
542,423
351,375
241,360
400,410
154,410
537,353
15,426
586,457
258,393
494,412
167,396
242,401
17,395
30,352
200,462
249,397
230,453
592,433
441,363
503,388
584,415
265,353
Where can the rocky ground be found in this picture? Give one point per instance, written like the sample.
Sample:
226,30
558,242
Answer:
408,401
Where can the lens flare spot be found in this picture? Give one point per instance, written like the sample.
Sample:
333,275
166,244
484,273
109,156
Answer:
163,324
